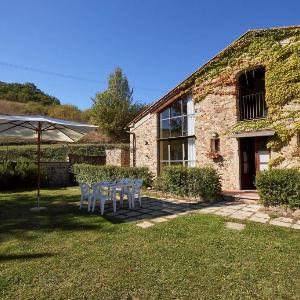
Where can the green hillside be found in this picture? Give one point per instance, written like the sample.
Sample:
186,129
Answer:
25,92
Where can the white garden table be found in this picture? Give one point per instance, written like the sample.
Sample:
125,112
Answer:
112,188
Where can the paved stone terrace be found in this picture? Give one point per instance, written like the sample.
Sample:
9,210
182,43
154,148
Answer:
157,210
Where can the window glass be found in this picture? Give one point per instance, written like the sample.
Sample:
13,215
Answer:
186,150
176,127
164,150
184,106
176,109
176,150
185,126
165,114
164,129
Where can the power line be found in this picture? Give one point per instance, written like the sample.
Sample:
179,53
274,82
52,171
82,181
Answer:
68,76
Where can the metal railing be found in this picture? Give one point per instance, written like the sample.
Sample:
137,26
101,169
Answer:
253,106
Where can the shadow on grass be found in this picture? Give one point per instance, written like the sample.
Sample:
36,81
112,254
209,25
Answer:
62,214
4,258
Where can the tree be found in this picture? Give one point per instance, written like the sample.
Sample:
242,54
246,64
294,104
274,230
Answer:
27,92
114,108
66,112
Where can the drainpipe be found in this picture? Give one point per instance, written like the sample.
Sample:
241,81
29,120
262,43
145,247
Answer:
133,147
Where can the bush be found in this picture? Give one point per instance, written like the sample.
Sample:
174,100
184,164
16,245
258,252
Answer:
192,182
93,173
279,187
17,175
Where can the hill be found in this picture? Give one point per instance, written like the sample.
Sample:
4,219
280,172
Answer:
25,92
27,99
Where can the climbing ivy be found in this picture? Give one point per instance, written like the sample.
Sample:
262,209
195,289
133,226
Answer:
278,50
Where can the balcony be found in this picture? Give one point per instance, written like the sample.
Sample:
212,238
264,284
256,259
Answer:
253,106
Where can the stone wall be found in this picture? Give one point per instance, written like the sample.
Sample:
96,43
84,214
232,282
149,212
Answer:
117,157
145,132
216,114
291,152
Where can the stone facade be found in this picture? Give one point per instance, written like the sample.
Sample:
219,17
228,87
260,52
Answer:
145,135
216,113
117,157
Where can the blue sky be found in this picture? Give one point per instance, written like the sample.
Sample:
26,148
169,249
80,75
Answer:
156,43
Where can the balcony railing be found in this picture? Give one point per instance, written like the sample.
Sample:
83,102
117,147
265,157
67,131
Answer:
253,106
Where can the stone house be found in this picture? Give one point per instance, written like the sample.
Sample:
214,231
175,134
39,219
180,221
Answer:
240,112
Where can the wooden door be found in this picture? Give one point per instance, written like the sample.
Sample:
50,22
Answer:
248,165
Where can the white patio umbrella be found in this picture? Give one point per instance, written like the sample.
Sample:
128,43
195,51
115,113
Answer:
42,128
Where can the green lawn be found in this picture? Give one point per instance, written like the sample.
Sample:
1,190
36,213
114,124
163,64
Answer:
65,253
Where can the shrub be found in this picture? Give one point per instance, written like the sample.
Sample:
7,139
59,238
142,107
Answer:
279,187
192,182
17,175
93,173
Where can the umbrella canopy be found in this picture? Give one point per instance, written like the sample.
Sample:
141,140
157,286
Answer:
41,127
27,127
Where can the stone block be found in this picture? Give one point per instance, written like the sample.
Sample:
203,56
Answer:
159,220
241,215
144,224
235,226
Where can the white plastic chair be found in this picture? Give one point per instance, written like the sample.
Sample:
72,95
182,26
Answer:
85,194
102,195
136,191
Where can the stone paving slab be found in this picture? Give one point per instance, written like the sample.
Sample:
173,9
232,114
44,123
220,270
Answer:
283,219
144,224
159,220
255,218
222,213
145,210
250,209
156,210
156,213
208,210
237,206
235,226
262,215
133,214
168,210
174,216
296,226
279,223
241,215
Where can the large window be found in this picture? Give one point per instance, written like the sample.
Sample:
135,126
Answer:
252,102
176,134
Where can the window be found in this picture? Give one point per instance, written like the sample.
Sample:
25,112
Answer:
252,104
176,134
215,144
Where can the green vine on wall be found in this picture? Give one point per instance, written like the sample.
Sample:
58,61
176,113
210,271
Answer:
278,50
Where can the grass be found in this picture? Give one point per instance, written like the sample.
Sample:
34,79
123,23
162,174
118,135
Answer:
64,253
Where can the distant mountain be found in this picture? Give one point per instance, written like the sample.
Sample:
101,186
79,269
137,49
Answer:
25,92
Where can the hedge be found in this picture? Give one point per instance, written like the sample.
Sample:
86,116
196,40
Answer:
52,152
17,175
191,182
279,187
93,173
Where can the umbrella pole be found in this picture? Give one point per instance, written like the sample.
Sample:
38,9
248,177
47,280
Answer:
39,163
